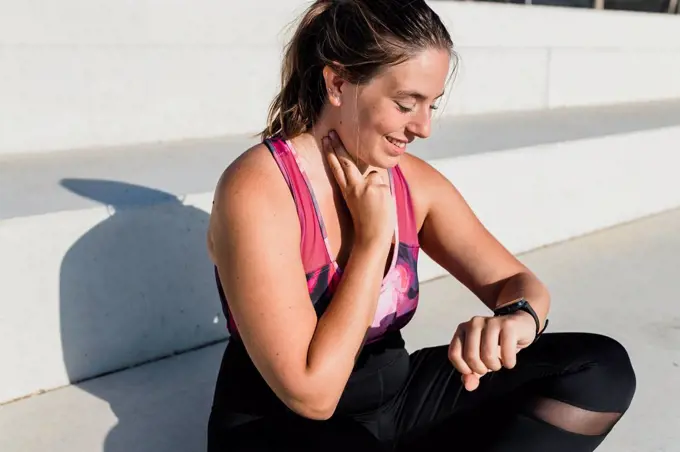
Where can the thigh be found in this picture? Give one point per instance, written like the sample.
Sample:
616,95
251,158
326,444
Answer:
434,391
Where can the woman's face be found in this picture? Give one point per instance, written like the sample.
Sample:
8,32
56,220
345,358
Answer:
376,121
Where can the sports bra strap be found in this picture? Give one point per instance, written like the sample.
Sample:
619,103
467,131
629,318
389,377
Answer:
312,247
408,229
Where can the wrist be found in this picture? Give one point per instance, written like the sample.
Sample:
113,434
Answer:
522,309
372,245
371,253
526,319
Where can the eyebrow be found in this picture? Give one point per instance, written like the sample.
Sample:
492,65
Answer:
416,95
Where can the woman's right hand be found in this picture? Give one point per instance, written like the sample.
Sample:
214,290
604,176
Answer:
368,197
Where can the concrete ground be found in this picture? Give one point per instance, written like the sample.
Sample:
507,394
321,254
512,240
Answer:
622,282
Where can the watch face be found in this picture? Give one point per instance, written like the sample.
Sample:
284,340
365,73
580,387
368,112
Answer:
511,308
520,304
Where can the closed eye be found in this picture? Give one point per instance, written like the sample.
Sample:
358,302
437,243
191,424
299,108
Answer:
404,109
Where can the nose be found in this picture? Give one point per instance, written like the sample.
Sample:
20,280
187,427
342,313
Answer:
420,125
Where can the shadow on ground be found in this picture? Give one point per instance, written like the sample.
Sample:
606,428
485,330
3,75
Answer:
137,286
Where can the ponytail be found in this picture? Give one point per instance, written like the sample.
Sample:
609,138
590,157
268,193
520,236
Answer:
301,98
358,38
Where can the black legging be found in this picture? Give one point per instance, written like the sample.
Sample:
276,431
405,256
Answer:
565,394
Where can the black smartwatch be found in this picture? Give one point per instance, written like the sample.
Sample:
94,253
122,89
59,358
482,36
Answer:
522,305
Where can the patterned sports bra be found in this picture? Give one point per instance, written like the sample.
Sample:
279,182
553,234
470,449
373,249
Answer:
399,291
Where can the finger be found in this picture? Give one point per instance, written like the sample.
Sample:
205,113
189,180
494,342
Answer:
508,345
489,347
334,163
374,178
471,381
456,353
350,169
473,342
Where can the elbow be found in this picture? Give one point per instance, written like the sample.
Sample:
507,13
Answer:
316,412
319,407
310,393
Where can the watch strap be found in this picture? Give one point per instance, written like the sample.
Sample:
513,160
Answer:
522,305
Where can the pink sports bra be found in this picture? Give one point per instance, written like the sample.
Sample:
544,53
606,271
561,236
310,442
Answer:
399,291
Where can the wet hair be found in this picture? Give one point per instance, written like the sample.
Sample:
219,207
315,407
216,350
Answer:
358,39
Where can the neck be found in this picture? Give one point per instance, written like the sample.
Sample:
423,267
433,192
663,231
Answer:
328,121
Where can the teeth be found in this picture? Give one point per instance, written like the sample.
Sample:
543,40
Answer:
399,144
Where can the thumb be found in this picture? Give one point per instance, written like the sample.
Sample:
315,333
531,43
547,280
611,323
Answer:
471,381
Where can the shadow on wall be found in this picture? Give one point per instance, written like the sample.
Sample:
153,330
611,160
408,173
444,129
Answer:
138,286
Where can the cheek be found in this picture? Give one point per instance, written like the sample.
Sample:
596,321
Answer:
373,125
361,127
380,120
365,124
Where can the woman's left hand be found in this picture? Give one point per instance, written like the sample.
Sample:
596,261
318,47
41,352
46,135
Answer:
484,344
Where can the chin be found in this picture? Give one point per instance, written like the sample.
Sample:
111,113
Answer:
391,153
383,161
384,154
388,161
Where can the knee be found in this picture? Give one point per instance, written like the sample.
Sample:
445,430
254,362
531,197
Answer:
609,373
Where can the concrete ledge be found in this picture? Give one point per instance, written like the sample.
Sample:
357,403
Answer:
96,289
33,184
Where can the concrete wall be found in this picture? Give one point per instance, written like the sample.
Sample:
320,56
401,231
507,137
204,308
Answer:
78,73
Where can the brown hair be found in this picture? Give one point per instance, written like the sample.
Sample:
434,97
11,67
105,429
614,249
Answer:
358,38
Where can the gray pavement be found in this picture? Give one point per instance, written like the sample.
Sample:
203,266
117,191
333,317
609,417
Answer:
622,282
32,185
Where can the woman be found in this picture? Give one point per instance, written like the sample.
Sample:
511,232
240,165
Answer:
315,235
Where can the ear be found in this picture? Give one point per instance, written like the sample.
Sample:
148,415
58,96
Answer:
334,85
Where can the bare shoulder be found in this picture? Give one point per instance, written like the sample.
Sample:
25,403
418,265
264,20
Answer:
253,174
251,189
425,182
418,171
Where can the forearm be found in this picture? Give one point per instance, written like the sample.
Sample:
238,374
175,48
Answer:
342,329
525,285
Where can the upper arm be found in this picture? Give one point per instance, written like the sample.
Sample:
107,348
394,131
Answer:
453,236
254,238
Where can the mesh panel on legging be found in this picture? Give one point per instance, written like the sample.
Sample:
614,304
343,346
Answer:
565,394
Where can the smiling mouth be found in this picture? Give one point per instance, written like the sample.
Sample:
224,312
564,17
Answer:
398,143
